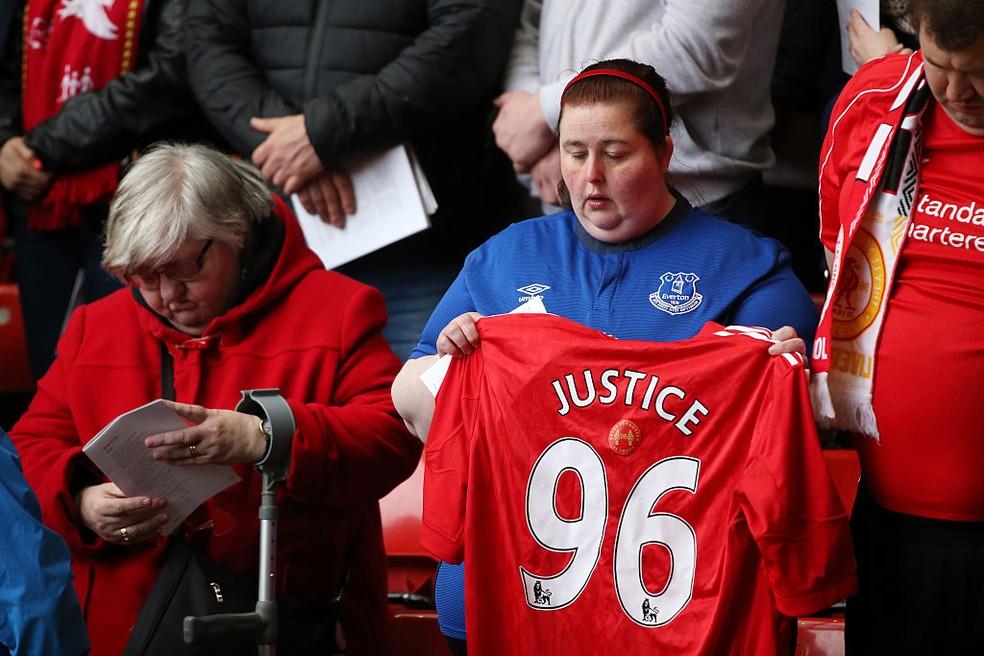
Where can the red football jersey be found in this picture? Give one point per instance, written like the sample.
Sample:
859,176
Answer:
930,358
614,495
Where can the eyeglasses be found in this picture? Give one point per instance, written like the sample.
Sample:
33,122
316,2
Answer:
177,271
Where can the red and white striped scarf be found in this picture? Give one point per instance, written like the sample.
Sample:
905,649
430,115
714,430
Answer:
866,255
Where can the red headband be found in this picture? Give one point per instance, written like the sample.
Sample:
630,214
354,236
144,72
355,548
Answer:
611,72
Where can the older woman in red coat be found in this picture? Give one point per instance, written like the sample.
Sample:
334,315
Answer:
220,280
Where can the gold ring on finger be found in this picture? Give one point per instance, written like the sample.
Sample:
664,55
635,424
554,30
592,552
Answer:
193,450
125,534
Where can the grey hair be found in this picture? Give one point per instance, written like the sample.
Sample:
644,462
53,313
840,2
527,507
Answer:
175,192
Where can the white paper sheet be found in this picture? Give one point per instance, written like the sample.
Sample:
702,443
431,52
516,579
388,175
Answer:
393,201
870,12
434,375
119,451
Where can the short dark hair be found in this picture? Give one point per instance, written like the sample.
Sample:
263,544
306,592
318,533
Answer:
953,24
646,114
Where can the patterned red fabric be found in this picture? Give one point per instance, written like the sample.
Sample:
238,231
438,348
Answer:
70,47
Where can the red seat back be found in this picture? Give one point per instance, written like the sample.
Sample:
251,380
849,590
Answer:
13,345
401,510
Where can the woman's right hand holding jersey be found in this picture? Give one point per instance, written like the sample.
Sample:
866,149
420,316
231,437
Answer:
460,336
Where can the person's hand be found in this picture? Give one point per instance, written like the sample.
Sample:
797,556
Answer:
18,172
286,158
120,519
787,341
546,177
330,195
217,437
867,44
521,130
460,336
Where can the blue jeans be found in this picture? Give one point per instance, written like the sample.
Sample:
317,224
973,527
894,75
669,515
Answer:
47,264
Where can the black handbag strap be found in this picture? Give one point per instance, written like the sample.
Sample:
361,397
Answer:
154,609
167,373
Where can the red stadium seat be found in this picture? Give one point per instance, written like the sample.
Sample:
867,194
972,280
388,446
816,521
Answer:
16,375
413,629
416,633
824,635
820,636
401,510
411,569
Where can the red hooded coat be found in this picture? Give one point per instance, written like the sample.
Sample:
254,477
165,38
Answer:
312,333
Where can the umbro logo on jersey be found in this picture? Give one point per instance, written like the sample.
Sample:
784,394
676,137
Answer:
531,290
677,293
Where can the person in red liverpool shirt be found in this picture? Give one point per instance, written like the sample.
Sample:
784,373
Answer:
899,347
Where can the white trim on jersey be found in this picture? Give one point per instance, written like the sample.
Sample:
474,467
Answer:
764,334
906,75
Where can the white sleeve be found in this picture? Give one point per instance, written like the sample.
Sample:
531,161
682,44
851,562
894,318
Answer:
698,46
523,68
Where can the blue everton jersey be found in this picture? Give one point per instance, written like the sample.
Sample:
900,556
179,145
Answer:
664,286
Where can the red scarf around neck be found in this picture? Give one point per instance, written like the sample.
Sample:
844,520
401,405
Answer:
70,47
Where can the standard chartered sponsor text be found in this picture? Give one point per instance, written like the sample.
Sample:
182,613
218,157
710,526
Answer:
947,237
970,214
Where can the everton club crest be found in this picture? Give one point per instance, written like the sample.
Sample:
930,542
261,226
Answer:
677,293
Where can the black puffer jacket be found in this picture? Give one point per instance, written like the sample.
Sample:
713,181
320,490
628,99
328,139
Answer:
366,74
153,101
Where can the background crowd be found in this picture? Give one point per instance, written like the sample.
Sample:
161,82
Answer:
144,268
